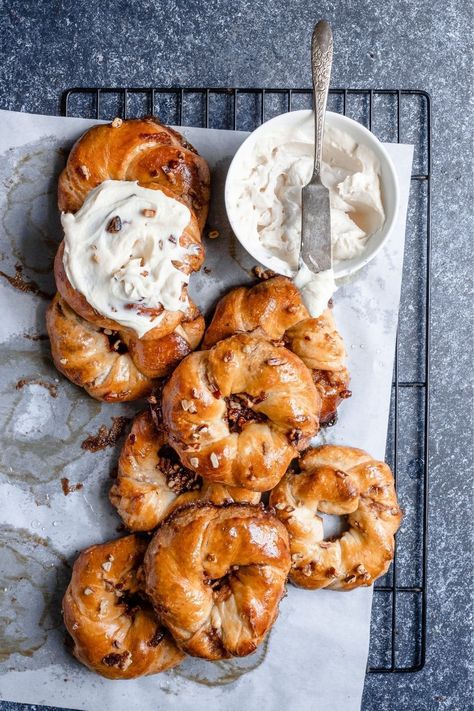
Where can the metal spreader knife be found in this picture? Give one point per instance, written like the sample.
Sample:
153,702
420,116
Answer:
316,247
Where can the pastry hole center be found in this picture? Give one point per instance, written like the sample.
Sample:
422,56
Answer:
178,478
241,412
115,342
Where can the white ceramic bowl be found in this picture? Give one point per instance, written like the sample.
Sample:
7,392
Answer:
388,179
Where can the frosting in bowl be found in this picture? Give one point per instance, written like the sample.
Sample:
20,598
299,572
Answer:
265,193
122,252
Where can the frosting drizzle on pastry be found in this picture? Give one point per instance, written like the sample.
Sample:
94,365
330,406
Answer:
123,253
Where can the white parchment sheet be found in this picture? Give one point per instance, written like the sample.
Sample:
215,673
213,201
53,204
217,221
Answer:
315,657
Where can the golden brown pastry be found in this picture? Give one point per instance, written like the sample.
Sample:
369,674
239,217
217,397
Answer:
113,626
239,413
110,365
160,159
273,309
136,149
341,481
152,482
216,575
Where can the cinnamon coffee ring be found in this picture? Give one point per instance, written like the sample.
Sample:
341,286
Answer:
158,158
341,481
151,481
273,309
216,575
111,365
113,626
239,413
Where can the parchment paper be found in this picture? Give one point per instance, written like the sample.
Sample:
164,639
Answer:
315,657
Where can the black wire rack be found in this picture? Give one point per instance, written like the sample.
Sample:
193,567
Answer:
398,628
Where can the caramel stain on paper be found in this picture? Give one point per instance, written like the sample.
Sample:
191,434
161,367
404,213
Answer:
212,674
106,436
27,286
69,488
50,387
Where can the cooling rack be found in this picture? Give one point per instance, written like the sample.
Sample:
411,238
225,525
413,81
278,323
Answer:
398,628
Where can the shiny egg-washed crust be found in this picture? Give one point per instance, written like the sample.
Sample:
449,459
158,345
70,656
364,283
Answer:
136,149
114,629
282,412
273,309
150,484
85,354
216,575
158,158
341,481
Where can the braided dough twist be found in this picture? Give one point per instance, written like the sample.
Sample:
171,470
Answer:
216,576
92,358
342,481
239,413
152,482
136,149
273,309
158,158
113,626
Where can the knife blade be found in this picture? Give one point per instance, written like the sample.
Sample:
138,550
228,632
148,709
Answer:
316,245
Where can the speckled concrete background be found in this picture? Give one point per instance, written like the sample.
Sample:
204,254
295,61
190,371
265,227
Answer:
47,46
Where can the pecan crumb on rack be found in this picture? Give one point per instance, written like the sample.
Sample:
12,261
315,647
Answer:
69,488
106,437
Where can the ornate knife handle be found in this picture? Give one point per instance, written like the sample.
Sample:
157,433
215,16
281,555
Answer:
321,62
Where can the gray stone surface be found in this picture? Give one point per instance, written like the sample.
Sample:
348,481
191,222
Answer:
47,47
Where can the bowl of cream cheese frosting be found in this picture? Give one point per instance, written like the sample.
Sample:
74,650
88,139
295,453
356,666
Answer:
263,194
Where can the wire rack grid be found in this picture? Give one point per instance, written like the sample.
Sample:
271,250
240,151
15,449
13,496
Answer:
398,629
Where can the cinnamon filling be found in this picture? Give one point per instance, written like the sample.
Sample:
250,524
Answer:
221,588
115,342
240,411
178,478
332,390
